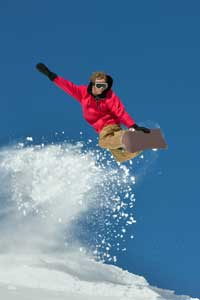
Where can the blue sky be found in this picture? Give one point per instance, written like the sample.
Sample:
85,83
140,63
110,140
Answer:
151,48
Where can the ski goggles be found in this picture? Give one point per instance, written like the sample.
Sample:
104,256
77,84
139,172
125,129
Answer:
101,85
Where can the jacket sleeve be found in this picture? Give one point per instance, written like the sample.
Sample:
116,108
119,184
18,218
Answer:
118,110
69,87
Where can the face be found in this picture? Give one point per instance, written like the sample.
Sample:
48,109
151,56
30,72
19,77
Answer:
97,91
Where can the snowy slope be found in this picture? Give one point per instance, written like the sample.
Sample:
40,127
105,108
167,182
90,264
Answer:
71,277
60,212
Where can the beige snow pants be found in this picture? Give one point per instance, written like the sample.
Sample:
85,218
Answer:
110,138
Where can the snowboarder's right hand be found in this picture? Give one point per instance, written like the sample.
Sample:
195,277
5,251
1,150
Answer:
44,70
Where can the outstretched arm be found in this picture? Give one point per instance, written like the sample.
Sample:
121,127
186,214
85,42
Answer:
66,85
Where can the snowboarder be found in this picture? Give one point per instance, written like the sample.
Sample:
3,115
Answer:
102,109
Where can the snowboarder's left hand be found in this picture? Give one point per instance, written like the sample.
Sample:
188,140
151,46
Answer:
140,128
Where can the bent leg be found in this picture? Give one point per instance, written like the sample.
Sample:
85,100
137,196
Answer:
111,138
122,155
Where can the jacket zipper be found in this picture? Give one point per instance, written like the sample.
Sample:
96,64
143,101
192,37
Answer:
98,105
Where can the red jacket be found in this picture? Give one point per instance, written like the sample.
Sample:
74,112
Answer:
98,113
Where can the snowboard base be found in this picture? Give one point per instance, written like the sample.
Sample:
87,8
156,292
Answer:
134,141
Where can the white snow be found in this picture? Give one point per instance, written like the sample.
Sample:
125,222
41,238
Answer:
29,138
71,276
44,192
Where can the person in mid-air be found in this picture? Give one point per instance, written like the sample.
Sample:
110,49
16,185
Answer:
102,109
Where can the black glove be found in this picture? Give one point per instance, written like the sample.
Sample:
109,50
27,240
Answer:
43,69
139,128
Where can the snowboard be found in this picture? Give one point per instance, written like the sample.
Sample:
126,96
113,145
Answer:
134,141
